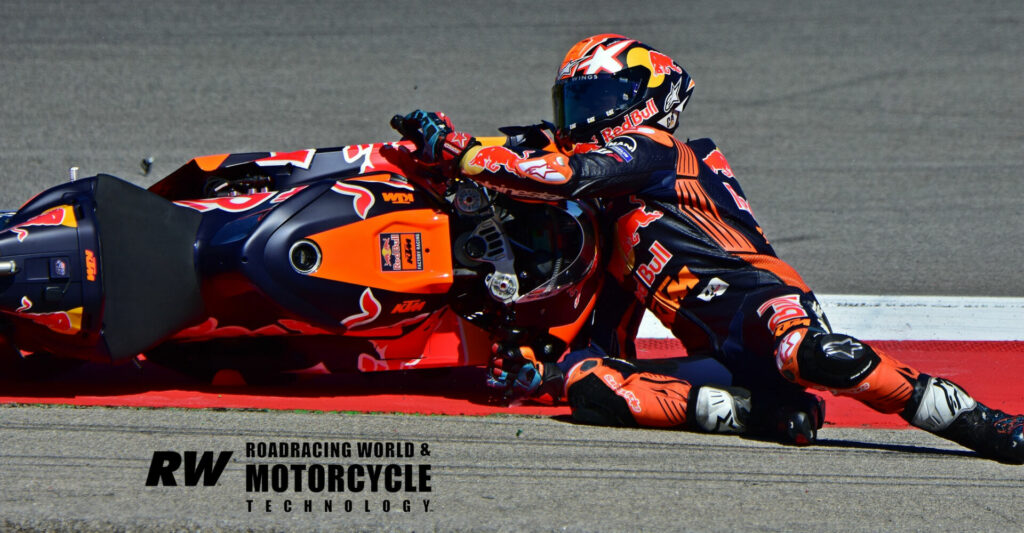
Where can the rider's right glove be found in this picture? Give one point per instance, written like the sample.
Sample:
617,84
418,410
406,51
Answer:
434,136
516,373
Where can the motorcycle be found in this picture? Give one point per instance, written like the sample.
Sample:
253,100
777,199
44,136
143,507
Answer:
337,259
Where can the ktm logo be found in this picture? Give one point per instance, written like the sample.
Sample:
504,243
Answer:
409,306
90,265
407,250
397,197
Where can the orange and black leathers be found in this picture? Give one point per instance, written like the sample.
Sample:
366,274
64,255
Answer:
687,247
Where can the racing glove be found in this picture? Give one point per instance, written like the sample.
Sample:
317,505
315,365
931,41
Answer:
516,373
435,139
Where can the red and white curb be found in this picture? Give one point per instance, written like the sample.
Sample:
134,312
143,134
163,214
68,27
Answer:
916,318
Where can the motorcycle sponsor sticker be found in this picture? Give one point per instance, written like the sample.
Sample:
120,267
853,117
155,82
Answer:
90,265
408,306
400,198
618,151
401,252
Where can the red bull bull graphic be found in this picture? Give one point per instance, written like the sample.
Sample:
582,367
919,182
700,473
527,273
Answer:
627,237
662,64
630,223
62,215
362,199
493,158
716,162
64,322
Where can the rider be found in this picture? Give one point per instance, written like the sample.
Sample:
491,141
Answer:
687,247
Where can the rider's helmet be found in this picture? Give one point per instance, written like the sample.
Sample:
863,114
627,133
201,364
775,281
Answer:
608,84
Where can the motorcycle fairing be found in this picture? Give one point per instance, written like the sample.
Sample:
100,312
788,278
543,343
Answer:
402,251
250,281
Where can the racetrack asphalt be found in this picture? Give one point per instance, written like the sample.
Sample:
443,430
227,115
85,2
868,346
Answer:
880,145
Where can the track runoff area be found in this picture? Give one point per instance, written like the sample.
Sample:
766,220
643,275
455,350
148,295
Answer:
976,341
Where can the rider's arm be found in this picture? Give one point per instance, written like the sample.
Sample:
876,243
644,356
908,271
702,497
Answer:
626,165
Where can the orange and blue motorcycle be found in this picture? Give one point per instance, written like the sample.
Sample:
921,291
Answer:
346,258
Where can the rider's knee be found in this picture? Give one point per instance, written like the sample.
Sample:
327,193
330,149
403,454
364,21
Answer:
824,360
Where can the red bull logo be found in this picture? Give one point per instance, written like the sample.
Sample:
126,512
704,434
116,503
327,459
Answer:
630,223
662,64
64,322
493,158
63,215
716,162
632,121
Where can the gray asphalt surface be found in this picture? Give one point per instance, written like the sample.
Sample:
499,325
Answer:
881,144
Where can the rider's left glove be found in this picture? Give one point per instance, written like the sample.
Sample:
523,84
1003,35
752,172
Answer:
517,373
439,142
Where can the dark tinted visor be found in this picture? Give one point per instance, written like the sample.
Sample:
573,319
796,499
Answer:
579,99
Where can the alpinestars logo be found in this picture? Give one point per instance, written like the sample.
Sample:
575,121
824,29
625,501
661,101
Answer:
845,349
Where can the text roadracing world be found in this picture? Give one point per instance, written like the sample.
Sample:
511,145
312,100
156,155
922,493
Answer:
300,487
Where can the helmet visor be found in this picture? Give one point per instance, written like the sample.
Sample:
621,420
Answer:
585,99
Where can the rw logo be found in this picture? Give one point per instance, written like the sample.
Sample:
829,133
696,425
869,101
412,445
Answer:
165,463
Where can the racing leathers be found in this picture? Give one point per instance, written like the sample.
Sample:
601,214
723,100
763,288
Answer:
686,246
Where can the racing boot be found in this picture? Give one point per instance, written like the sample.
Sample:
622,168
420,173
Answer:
722,409
945,409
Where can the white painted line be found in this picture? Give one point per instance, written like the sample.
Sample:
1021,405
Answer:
926,318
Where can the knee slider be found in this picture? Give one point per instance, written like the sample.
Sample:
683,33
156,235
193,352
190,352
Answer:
830,360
